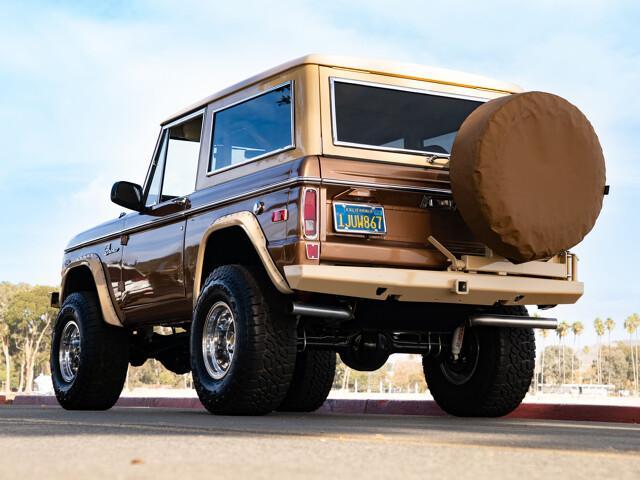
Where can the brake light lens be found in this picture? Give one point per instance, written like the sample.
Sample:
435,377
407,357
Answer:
279,215
310,213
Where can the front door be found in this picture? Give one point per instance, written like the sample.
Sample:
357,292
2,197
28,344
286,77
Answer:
153,243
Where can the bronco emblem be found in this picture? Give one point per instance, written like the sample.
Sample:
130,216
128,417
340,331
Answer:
108,250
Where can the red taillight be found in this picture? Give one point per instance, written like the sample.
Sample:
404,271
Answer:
279,215
310,213
313,251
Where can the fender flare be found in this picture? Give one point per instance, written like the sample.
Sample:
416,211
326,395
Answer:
110,312
249,223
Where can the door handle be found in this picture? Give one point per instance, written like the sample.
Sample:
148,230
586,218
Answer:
184,202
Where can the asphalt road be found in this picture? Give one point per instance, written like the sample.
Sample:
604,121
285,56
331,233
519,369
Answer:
50,443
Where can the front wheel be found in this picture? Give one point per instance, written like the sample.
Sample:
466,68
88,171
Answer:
492,374
89,359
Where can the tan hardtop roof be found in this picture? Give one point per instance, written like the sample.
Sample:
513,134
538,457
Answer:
383,67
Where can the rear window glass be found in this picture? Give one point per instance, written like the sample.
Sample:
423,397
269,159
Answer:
257,127
385,118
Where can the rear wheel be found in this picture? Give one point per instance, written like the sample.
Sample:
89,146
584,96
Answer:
492,374
312,381
89,359
243,345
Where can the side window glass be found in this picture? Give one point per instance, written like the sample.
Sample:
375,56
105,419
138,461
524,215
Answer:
177,162
257,127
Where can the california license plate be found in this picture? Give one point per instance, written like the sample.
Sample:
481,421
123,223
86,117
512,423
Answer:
359,218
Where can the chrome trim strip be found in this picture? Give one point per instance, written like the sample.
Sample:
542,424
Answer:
258,191
185,119
334,132
266,189
292,136
387,186
154,159
424,91
254,159
302,219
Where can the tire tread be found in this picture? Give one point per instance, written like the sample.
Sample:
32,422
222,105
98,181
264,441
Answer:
506,381
269,359
104,358
312,381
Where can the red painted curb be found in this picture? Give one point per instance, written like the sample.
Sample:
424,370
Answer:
584,413
383,407
539,411
35,400
159,402
148,402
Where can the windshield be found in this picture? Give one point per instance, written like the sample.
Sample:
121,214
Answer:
386,118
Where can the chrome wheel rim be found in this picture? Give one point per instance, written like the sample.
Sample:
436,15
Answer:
460,371
69,351
218,340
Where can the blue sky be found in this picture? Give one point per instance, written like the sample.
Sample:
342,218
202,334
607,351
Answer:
84,85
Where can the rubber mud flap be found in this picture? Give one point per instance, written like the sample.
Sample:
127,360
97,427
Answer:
528,175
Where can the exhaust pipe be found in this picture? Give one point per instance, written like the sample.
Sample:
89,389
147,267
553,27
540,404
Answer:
513,321
321,311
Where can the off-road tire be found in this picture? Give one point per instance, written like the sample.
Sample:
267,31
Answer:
502,376
312,381
104,356
263,362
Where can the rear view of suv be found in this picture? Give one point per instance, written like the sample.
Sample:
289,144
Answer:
334,205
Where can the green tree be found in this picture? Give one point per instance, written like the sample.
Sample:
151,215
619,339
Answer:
153,374
609,325
598,326
346,378
635,348
555,368
544,333
561,332
615,363
406,374
7,292
631,326
576,328
29,316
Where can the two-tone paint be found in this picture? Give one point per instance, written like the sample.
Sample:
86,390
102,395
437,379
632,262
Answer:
147,267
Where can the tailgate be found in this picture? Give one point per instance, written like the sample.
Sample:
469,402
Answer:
417,203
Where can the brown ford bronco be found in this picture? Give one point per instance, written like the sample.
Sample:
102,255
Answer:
335,205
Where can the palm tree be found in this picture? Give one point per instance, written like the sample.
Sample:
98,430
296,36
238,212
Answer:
562,330
544,333
576,329
631,326
609,324
598,325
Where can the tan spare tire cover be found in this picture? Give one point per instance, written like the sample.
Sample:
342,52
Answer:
528,175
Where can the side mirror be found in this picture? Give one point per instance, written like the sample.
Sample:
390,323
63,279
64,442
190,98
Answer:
127,195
